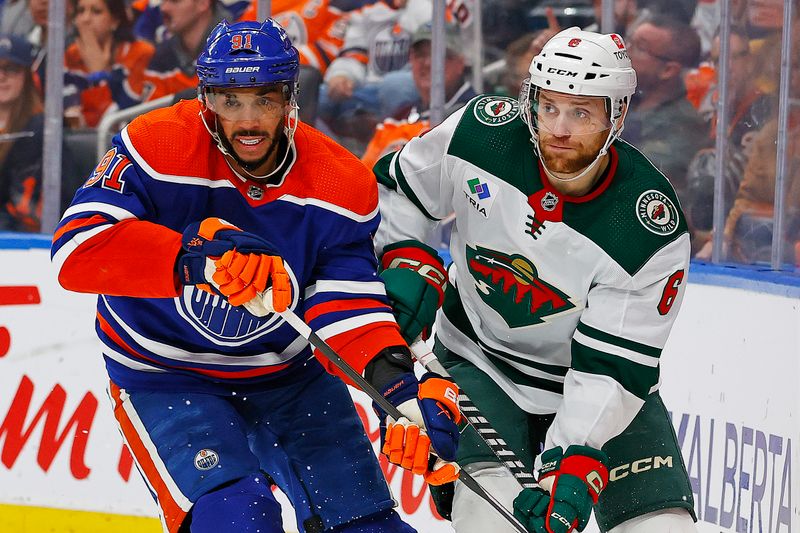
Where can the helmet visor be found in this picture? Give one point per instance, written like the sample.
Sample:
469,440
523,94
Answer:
236,105
562,115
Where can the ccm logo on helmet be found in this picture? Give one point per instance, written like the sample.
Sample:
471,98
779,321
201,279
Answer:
236,70
561,72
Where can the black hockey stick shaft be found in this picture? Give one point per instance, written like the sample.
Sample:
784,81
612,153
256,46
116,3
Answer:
477,421
303,329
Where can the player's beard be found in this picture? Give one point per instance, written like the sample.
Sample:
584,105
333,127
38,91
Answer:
584,151
274,140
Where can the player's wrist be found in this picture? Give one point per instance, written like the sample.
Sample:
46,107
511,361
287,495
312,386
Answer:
388,366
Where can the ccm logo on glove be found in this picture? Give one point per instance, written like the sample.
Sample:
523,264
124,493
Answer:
432,273
415,279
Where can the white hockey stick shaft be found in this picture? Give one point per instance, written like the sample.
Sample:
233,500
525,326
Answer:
477,421
303,329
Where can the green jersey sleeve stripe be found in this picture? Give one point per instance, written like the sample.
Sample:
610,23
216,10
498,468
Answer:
635,378
381,171
612,349
549,369
521,378
396,173
626,344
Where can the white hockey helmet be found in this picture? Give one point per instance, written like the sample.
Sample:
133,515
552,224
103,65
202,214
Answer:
582,63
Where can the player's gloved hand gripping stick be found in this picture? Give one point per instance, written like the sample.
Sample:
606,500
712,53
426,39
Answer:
414,276
473,416
220,258
572,481
392,411
430,416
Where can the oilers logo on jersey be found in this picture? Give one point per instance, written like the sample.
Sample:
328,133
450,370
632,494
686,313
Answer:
214,318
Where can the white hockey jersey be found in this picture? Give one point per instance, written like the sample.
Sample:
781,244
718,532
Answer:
565,302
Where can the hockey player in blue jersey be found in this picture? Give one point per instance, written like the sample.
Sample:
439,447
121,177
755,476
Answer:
202,220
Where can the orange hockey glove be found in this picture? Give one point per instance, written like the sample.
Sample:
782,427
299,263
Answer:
221,258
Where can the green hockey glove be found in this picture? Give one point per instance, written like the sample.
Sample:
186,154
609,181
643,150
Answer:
575,480
415,278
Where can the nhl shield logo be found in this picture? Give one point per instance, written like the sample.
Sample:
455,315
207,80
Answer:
657,213
206,459
549,201
496,110
255,192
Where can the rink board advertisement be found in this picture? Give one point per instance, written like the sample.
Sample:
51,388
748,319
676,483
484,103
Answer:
730,379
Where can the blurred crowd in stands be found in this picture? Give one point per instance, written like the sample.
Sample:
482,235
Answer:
366,82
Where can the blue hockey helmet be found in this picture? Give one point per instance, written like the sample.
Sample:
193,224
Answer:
248,54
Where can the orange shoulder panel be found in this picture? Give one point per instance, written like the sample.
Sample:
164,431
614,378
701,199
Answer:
328,172
161,136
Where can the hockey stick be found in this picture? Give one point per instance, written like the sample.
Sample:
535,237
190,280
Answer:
485,431
303,329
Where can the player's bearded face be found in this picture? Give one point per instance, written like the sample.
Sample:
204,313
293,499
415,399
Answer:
572,130
251,120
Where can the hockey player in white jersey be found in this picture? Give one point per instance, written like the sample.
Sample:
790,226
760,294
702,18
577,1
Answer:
570,254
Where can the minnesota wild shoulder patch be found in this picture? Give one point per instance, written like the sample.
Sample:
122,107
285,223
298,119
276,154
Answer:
657,213
496,110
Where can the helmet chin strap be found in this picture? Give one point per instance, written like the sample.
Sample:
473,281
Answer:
288,130
603,151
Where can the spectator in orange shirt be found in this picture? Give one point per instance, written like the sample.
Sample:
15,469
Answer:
105,62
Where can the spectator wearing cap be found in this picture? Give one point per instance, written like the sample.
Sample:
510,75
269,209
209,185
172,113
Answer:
105,63
413,119
662,122
21,139
21,124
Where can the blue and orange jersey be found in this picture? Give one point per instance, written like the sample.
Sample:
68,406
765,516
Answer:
121,237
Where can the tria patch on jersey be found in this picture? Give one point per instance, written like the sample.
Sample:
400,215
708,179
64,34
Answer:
657,213
480,193
496,110
510,284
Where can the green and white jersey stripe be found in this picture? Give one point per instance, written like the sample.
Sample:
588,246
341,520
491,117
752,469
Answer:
565,302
